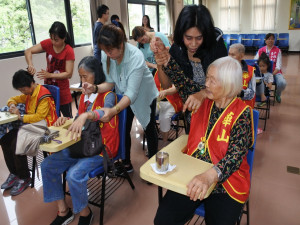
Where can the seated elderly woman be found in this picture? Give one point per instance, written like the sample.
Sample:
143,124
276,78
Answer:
90,105
39,105
221,133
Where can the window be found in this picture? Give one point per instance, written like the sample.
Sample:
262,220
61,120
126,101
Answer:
80,10
43,18
264,15
188,2
155,9
14,26
24,23
230,15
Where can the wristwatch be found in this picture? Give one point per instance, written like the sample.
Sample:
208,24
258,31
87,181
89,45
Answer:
220,175
22,117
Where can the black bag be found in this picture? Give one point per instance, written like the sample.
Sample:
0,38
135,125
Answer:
90,143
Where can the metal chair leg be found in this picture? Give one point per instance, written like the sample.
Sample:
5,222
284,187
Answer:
102,199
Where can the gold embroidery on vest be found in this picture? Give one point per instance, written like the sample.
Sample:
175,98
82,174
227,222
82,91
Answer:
228,118
222,138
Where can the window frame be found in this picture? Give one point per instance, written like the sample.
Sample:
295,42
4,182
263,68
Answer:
69,26
156,3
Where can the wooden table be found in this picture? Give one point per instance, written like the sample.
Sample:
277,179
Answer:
66,141
6,117
76,90
186,168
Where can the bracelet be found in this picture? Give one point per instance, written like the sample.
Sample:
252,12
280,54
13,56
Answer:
96,89
93,115
117,108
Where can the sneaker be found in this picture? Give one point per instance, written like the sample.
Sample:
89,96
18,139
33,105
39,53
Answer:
63,220
128,168
20,186
278,98
86,220
263,103
10,181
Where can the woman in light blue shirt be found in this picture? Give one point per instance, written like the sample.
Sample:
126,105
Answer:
126,71
143,38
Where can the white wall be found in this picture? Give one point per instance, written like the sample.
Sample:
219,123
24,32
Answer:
281,20
9,66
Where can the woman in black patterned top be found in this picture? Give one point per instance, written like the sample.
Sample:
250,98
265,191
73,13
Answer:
221,133
197,43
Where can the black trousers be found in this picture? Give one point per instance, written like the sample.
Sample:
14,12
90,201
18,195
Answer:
177,209
151,133
66,110
16,164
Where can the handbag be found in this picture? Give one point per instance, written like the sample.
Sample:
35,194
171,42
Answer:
90,143
30,136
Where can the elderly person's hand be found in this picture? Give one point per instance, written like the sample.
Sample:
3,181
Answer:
43,74
198,186
77,125
194,101
14,110
161,52
87,88
60,121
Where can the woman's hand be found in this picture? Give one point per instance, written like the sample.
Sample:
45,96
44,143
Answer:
194,101
31,69
60,121
87,88
198,186
108,114
161,52
76,127
43,74
162,94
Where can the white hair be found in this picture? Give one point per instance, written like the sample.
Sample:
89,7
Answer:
239,47
229,74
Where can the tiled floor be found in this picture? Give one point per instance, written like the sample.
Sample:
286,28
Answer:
275,194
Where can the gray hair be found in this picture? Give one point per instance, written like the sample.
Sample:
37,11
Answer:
92,65
239,47
229,74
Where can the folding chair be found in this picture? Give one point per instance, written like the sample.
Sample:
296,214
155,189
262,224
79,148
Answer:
200,211
259,41
98,194
54,90
235,38
283,41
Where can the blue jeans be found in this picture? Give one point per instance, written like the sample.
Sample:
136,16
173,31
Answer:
77,177
280,82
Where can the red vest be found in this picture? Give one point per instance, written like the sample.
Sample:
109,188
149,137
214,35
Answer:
247,76
174,99
110,130
238,184
44,93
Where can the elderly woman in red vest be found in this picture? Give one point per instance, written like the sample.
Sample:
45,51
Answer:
221,133
90,106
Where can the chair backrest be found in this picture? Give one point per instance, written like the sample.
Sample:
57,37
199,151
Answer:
54,90
250,155
259,40
283,40
235,38
122,131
